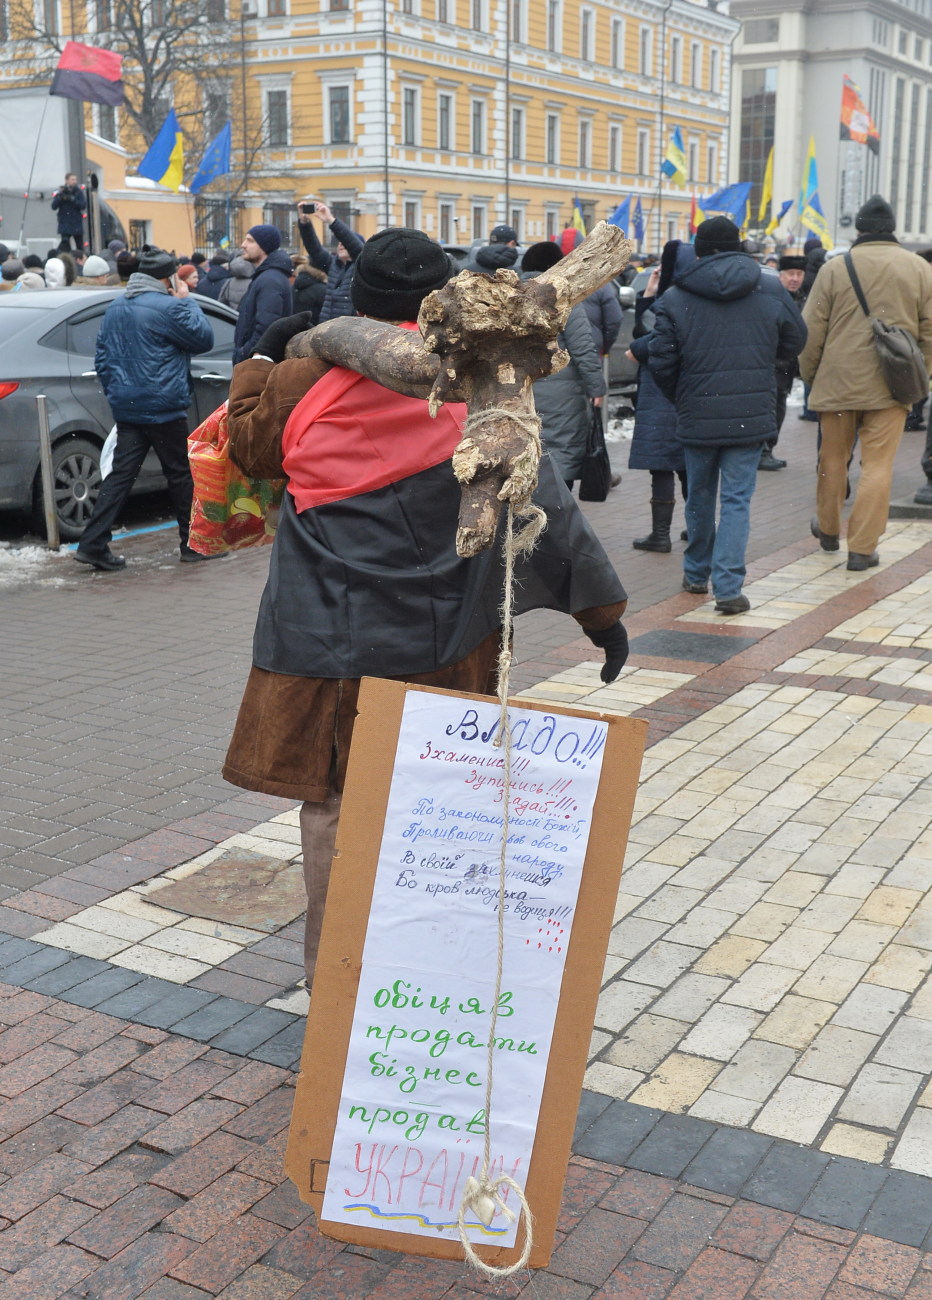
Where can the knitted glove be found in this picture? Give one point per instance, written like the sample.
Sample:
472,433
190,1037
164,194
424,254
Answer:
276,338
614,641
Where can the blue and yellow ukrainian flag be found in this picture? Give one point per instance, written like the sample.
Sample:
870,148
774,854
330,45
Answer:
674,164
164,162
810,205
577,222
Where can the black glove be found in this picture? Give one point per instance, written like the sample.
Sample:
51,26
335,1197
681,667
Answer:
614,641
279,334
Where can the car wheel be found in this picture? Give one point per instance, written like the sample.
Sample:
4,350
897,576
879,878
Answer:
77,481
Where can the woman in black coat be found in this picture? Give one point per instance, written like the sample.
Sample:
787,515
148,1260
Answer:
654,446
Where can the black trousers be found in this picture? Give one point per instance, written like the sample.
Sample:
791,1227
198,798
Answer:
663,484
170,443
69,243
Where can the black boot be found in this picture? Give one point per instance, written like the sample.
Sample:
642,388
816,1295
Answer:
658,539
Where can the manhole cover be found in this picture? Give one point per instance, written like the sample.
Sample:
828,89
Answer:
240,887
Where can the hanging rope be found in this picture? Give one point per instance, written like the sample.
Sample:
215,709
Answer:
482,1196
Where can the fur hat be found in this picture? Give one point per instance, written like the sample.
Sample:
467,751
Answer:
791,262
540,257
875,217
395,272
155,262
717,235
267,237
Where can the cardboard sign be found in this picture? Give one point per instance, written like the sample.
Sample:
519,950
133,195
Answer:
390,1114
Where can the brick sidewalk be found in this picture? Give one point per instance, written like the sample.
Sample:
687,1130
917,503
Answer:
146,1059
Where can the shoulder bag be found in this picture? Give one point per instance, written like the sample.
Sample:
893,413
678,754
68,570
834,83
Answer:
596,478
901,362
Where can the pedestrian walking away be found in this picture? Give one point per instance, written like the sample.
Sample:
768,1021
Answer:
268,297
719,332
840,361
654,445
144,347
364,577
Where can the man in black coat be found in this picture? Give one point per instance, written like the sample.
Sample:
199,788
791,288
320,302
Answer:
337,266
719,333
268,297
70,202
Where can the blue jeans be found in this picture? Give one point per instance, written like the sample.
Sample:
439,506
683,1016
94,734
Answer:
729,475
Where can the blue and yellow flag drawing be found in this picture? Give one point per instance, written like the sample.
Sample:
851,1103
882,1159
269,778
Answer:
164,162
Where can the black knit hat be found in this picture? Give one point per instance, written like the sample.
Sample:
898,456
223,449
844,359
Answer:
717,235
876,217
395,272
542,256
791,262
157,263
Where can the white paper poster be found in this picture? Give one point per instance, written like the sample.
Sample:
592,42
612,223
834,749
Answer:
411,1121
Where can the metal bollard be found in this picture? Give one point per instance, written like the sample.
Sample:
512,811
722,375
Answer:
48,482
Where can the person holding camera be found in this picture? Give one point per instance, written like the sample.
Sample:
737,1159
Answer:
70,202
338,266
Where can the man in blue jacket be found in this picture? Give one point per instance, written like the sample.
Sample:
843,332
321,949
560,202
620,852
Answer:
269,296
719,332
143,355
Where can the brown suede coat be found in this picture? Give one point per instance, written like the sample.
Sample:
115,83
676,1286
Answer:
292,735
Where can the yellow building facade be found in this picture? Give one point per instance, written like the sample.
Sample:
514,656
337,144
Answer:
449,115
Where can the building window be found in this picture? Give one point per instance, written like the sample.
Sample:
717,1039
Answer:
676,59
552,222
761,31
618,43
554,14
517,223
339,4
901,42
478,221
216,107
645,52
339,105
692,162
918,50
412,214
5,36
586,34
695,65
409,115
881,33
614,148
553,139
444,121
517,133
446,223
277,126
443,11
103,16
517,21
711,164
643,151
478,15
478,126
407,6
671,228
758,113
714,64
277,8
50,18
585,143
107,123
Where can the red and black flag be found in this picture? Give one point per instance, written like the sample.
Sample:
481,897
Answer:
86,73
856,123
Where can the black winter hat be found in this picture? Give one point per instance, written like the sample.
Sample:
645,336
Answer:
875,217
791,262
717,235
395,272
542,256
157,263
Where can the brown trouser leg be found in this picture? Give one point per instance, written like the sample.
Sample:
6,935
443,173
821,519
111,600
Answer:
318,833
879,433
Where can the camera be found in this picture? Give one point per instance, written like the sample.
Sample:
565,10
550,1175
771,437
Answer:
308,208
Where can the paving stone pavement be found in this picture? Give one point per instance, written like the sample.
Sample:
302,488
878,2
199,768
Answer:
758,1108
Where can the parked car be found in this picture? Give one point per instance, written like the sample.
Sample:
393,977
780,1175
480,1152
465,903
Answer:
622,372
47,342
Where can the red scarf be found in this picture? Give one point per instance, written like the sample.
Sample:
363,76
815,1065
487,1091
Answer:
349,435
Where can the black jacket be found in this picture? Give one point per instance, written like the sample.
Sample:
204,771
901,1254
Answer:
267,299
337,300
490,257
210,284
70,205
718,334
309,294
604,312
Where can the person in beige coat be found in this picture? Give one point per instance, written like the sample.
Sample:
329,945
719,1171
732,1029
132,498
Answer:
840,362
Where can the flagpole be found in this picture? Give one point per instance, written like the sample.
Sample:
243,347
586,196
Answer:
32,168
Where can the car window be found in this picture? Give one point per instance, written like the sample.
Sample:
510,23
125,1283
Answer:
223,329
82,334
